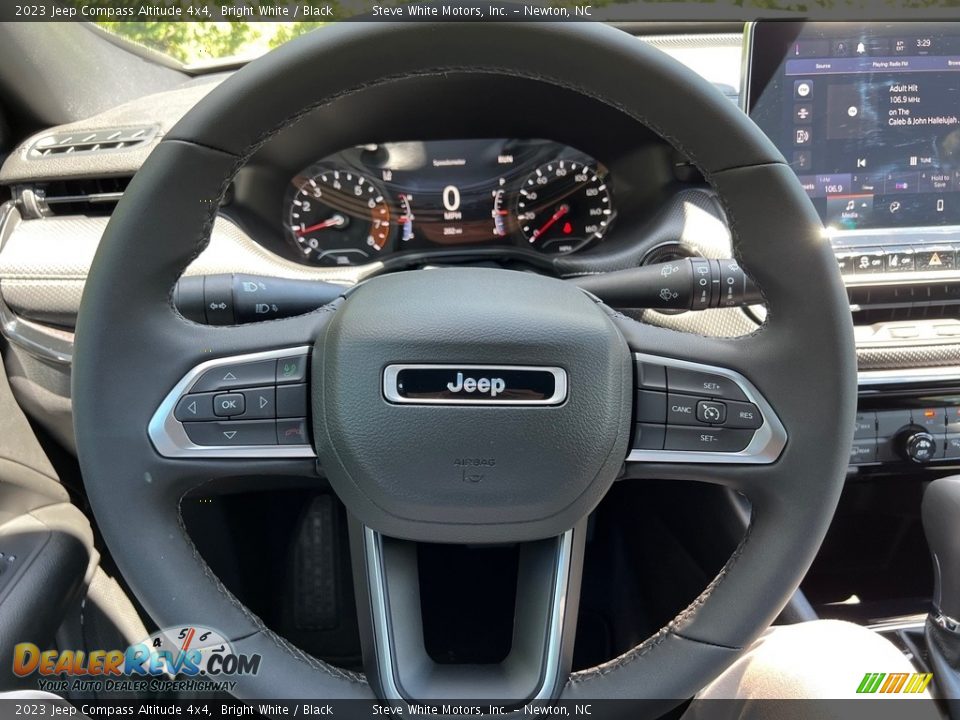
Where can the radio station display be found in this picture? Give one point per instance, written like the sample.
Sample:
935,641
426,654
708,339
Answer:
867,115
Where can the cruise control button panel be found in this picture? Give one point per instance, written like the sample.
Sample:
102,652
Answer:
253,405
688,412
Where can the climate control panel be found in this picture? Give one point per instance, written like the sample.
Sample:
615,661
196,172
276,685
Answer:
917,434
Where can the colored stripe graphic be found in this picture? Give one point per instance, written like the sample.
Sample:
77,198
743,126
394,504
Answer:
894,682
913,683
870,682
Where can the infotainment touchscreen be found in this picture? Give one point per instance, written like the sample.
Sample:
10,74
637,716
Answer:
868,115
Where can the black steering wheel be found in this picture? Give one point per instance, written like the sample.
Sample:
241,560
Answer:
553,375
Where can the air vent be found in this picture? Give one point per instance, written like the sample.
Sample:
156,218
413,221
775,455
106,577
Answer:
91,141
82,196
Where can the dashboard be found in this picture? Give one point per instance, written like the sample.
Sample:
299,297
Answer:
865,113
369,201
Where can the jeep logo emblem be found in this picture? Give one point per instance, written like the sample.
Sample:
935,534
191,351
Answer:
494,386
474,385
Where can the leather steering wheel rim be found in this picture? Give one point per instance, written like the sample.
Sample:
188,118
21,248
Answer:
132,345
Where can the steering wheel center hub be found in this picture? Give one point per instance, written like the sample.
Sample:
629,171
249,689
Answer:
471,405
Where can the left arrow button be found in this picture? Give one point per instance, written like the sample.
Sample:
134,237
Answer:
198,406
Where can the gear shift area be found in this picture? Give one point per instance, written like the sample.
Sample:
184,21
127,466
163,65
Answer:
940,512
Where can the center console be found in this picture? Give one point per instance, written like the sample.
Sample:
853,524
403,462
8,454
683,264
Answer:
868,116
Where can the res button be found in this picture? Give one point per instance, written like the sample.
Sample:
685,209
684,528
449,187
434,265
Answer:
743,415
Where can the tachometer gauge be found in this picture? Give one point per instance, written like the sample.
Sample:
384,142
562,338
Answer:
338,217
563,206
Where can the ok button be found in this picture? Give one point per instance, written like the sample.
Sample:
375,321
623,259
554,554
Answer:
228,405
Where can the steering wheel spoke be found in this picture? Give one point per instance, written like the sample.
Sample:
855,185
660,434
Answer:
249,405
240,405
402,667
697,414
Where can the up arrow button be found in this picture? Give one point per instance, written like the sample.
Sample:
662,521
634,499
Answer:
237,375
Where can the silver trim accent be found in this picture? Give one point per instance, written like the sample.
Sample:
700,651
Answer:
921,277
171,440
49,344
765,447
946,622
926,230
391,393
903,622
41,342
558,609
746,66
373,556
870,378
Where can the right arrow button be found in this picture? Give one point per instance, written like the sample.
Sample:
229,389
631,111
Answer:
260,403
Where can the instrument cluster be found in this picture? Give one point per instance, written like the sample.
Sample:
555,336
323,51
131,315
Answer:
366,202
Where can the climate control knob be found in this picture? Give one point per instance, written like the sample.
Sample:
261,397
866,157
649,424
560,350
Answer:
918,446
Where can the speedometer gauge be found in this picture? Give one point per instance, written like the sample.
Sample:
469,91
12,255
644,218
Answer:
338,217
563,206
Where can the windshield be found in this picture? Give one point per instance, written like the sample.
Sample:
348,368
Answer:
201,43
